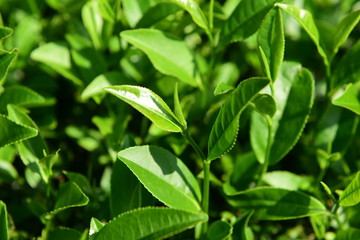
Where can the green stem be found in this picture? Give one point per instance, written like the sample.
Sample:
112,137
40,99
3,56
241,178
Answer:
194,145
211,15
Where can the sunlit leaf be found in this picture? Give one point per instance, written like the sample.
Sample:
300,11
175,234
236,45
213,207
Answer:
351,195
157,13
306,20
277,204
161,49
224,131
164,175
149,104
149,223
5,32
5,60
350,99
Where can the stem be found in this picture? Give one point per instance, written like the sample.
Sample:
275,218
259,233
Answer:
211,15
194,145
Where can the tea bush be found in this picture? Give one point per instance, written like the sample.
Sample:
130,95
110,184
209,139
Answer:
179,119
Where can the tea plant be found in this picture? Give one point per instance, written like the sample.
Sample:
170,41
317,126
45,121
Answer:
173,119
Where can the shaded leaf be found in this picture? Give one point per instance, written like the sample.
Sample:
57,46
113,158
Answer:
245,19
348,234
293,93
351,195
277,203
272,41
69,195
5,32
64,233
348,68
164,175
4,221
350,99
7,171
12,132
344,29
224,131
264,104
219,230
157,13
306,20
149,104
241,229
161,49
150,223
5,60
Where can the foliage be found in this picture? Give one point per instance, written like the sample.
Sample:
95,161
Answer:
174,119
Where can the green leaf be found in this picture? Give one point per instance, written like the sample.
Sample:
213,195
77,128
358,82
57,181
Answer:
277,203
93,22
161,49
344,29
178,110
5,32
4,221
12,132
195,12
348,68
104,80
157,13
351,195
106,11
350,99
33,149
222,88
5,60
149,104
164,175
134,10
20,95
56,56
69,195
287,180
224,131
64,233
150,223
293,93
348,234
95,227
245,19
306,20
272,42
80,180
264,104
219,230
241,229
7,171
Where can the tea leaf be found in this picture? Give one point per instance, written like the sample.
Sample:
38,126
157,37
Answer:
11,132
224,131
4,221
293,93
277,203
306,20
164,175
348,234
57,56
195,11
5,60
157,13
149,104
350,99
272,42
69,195
344,29
351,195
5,32
348,68
264,104
93,22
219,230
149,223
245,19
164,51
